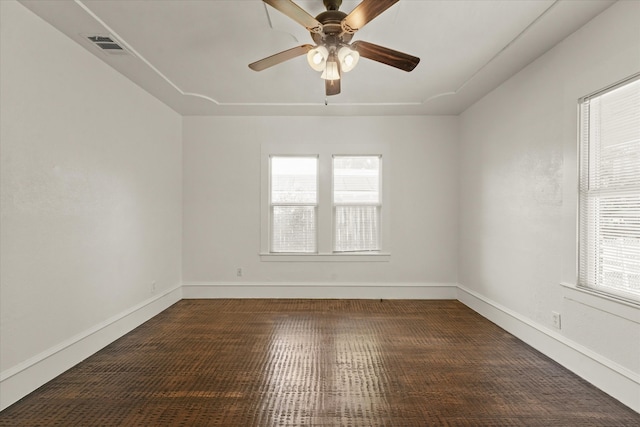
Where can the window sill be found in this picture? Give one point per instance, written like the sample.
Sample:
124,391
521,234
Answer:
350,257
620,307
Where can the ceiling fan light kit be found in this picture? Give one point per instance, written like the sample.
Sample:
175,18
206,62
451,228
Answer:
317,58
332,32
332,68
348,58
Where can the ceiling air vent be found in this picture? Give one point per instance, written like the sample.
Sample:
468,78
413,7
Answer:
107,44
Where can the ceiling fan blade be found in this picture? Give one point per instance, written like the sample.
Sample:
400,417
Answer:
296,13
364,13
276,59
400,60
332,87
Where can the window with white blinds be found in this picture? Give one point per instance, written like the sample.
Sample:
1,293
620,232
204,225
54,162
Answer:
356,203
294,201
609,250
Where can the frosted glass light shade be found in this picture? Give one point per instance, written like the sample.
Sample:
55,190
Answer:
348,58
317,58
331,71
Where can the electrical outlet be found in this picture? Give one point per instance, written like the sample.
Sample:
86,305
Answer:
239,272
153,286
555,316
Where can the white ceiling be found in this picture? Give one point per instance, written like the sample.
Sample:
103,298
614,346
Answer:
193,55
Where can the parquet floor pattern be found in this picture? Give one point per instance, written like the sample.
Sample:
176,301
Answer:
318,363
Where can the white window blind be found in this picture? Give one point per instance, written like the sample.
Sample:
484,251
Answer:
357,203
609,252
294,201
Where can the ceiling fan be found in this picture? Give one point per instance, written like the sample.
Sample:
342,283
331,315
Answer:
332,31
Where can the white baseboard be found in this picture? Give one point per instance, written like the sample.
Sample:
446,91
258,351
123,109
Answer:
321,290
22,379
613,379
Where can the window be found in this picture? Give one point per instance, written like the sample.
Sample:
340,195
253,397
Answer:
609,250
356,203
324,202
294,202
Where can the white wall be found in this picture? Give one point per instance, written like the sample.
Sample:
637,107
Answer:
221,218
518,196
91,200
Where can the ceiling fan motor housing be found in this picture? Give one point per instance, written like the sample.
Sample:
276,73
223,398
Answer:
332,33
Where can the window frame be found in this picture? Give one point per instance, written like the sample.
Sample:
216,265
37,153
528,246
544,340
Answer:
324,151
583,171
273,204
377,205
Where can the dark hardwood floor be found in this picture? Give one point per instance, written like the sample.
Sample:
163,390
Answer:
318,363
